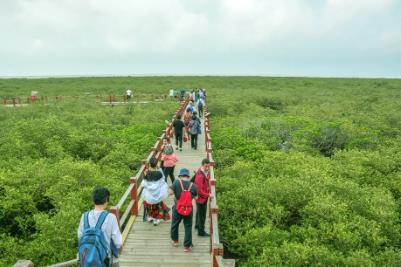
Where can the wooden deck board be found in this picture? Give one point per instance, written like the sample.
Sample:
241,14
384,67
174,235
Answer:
149,245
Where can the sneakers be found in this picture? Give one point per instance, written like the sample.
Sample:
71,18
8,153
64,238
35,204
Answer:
149,219
174,243
156,222
180,149
187,249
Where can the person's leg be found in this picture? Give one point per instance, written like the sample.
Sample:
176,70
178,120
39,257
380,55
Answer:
180,141
202,217
175,222
176,141
165,211
193,136
196,141
172,174
197,216
188,230
165,171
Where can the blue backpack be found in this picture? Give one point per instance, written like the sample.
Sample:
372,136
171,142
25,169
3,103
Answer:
92,246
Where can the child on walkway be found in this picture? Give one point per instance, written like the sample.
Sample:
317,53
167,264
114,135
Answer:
184,191
169,161
166,147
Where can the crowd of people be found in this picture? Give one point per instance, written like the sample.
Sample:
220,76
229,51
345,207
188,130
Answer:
100,227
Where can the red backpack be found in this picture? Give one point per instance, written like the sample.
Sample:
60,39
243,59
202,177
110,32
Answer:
184,203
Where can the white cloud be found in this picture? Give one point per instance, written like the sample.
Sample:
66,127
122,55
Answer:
182,29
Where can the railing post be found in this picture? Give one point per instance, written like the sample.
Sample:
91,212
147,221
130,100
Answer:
134,196
159,143
116,211
14,103
218,250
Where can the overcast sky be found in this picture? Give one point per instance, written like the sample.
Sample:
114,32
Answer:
218,37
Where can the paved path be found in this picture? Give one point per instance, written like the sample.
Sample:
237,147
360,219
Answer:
149,245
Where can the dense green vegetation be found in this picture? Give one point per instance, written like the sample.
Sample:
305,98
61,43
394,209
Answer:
309,171
52,155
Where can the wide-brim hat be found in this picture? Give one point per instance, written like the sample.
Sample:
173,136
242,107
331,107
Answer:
184,172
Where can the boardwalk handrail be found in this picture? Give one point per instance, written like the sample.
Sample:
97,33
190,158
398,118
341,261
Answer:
216,247
133,192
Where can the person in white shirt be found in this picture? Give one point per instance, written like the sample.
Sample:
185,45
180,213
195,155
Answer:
110,227
129,93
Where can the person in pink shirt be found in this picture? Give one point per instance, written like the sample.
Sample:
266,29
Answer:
169,161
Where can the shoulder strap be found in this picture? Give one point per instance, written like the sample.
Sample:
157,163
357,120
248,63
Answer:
101,219
190,186
86,220
182,187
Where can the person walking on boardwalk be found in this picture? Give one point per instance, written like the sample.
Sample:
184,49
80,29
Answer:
154,192
167,148
201,104
202,178
99,233
169,161
194,130
184,191
187,118
178,126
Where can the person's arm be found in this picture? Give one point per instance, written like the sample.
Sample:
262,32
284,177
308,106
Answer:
115,232
81,227
170,192
163,177
171,188
199,184
194,191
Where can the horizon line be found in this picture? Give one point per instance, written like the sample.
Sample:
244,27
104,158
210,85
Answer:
191,75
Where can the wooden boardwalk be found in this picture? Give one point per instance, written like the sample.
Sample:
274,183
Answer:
149,245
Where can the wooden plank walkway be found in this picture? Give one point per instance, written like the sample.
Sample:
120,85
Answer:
149,245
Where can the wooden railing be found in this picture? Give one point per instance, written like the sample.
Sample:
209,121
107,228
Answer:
22,100
216,248
134,190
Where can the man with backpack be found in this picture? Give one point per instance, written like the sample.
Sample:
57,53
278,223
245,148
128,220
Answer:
194,130
99,233
201,179
184,191
200,107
